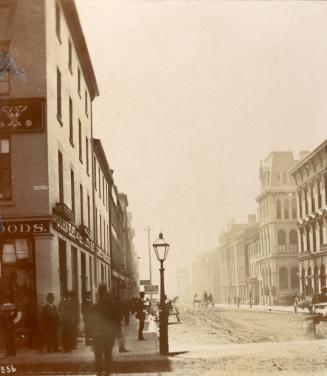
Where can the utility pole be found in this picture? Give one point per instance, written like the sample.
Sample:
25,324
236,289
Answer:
149,229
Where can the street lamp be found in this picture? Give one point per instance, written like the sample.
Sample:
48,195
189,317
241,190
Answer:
161,250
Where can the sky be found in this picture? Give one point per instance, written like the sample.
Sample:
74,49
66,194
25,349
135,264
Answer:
193,94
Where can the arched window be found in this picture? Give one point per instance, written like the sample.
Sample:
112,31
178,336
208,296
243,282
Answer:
315,280
283,282
278,209
281,236
293,241
309,284
322,276
293,204
294,278
286,209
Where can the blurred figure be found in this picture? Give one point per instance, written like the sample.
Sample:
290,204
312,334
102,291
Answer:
103,321
140,315
50,324
68,321
8,316
87,307
126,311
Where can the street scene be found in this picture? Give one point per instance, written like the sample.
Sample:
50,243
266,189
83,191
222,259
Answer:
163,187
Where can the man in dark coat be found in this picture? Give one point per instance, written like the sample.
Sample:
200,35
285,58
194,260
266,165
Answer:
104,330
50,324
8,314
68,321
140,315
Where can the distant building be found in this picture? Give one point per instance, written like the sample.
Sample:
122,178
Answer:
184,290
310,175
278,275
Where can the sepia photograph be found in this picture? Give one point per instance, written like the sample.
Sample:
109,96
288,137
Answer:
163,187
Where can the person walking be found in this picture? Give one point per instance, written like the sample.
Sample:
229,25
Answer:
87,307
140,315
67,321
50,324
103,330
8,316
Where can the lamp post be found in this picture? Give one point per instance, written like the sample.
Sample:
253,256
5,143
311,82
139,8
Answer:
161,250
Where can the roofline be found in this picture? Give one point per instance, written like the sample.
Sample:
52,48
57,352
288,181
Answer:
308,157
75,28
99,151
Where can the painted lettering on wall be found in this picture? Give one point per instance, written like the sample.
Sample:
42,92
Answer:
24,228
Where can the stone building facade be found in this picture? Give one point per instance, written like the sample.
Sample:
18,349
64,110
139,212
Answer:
278,276
310,175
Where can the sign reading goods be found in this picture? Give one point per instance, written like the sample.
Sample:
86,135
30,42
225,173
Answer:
35,227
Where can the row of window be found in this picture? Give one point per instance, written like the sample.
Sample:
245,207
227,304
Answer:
102,237
312,194
287,214
72,186
70,58
100,184
305,232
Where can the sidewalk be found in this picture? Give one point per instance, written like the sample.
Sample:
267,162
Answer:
142,355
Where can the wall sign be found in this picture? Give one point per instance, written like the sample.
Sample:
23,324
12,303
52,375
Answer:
22,115
31,227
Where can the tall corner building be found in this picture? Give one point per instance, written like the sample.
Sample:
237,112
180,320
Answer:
277,209
47,237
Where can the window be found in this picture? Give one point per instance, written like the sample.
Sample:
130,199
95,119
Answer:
299,196
87,155
100,225
60,178
95,172
293,204
91,273
283,282
63,267
306,201
81,203
307,233
314,238
88,212
70,56
5,169
86,104
59,110
293,241
80,151
319,194
322,276
281,236
79,81
286,209
321,235
4,81
72,187
313,208
71,126
103,193
96,225
278,209
294,278
58,22
301,240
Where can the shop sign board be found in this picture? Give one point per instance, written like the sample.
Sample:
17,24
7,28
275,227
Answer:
70,230
22,115
144,282
151,289
30,227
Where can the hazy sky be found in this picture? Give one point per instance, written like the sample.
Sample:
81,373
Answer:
192,95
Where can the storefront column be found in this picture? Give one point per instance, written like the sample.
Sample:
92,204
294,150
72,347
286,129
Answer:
47,269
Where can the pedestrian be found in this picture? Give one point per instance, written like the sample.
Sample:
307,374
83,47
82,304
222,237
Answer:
67,321
50,323
9,315
119,313
87,306
296,301
126,311
140,315
103,330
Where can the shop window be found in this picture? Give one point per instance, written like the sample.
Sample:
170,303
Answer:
8,253
22,251
283,282
5,170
